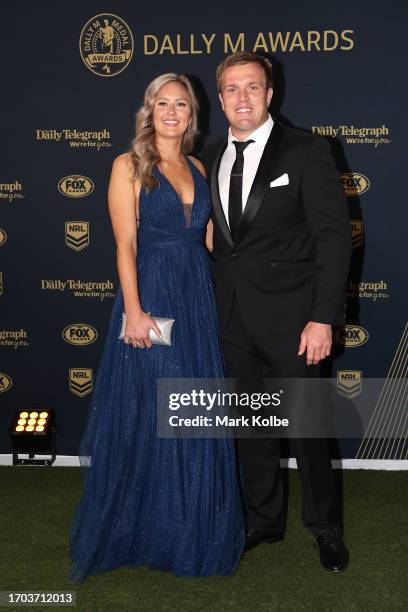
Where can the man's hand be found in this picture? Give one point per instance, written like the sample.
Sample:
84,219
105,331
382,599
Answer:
316,339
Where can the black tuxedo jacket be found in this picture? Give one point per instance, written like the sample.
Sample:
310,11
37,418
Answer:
290,262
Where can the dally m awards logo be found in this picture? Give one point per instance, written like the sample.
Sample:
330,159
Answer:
3,236
354,183
351,336
5,382
77,234
80,381
106,44
349,383
79,334
357,233
75,186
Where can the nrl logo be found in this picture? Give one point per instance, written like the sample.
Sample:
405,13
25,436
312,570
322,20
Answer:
357,234
77,234
349,383
80,381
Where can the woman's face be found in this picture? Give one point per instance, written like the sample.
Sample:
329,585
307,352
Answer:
172,110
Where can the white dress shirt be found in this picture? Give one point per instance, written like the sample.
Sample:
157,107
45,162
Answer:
252,157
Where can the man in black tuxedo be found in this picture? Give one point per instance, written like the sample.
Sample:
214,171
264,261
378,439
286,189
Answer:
281,250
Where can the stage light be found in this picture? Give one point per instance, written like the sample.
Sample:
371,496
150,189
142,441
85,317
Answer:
33,434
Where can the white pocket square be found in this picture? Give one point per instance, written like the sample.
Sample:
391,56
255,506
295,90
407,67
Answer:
281,180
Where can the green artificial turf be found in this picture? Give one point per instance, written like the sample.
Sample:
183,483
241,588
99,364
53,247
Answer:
37,505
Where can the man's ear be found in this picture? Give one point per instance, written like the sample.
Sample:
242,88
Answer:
269,95
222,102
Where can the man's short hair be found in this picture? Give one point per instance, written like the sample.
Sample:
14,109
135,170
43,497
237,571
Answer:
245,57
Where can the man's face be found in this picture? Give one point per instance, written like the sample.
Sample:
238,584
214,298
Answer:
245,98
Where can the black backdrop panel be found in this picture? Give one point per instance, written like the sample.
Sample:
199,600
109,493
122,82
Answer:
65,116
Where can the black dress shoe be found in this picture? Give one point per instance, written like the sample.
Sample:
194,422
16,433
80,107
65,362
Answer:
333,553
260,536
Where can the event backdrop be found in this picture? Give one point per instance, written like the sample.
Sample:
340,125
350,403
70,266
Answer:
73,76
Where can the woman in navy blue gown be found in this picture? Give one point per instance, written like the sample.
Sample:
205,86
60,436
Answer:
168,503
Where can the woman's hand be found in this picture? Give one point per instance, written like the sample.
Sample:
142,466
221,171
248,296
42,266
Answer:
137,330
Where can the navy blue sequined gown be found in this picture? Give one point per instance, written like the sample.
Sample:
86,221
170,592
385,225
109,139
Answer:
171,504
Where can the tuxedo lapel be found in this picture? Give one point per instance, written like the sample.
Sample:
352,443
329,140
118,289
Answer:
215,195
261,181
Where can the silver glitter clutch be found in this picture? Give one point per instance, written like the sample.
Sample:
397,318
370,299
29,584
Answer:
165,326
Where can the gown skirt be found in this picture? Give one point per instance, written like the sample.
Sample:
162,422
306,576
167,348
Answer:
168,503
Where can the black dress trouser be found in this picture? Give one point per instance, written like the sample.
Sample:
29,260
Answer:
262,356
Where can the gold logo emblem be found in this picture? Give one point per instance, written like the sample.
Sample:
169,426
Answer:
75,186
3,236
349,383
80,381
5,382
357,234
79,334
106,44
351,336
354,183
14,338
77,234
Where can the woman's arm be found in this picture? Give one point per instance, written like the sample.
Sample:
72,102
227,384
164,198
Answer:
122,199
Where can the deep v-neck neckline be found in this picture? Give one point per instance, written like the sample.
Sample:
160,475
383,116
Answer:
189,164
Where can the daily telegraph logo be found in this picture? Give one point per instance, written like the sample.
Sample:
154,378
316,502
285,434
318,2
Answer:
357,233
11,191
80,288
80,381
5,382
106,44
3,236
77,234
75,186
14,338
351,336
77,139
349,383
353,134
354,183
79,334
368,290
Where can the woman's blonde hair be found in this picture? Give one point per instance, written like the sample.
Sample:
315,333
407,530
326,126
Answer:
144,154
